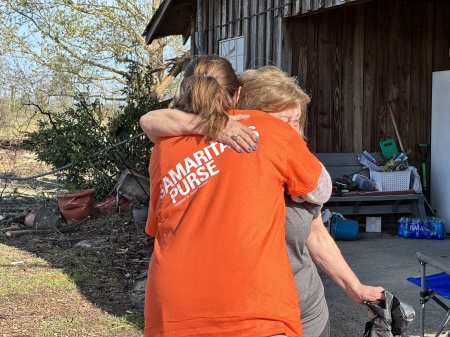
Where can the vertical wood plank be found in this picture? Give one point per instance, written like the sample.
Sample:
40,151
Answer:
405,36
223,19
417,42
338,119
297,7
192,47
355,93
427,69
303,61
302,51
294,69
246,32
306,6
237,4
285,51
277,32
392,83
313,84
370,69
346,114
230,24
254,32
261,33
380,116
209,12
286,10
207,40
215,22
324,92
268,41
440,48
441,51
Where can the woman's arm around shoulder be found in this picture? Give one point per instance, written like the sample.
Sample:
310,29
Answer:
172,122
168,122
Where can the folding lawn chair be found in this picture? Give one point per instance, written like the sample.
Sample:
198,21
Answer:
434,287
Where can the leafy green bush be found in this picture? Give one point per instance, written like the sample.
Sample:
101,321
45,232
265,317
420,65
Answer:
126,123
78,135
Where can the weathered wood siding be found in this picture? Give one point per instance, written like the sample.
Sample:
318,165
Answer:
260,22
354,60
357,61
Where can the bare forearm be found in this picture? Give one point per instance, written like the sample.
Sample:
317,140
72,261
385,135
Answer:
168,122
326,254
172,122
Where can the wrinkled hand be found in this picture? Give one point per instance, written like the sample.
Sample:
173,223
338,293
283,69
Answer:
237,136
369,294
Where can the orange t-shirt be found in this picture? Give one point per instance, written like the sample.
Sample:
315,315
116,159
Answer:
219,265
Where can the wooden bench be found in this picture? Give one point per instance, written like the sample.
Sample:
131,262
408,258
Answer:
372,202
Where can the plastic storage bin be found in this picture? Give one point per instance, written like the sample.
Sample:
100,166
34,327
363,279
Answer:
392,181
344,229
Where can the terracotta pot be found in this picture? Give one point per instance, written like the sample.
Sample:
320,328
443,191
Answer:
76,206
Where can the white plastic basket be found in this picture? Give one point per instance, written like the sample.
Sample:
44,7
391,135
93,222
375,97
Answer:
392,181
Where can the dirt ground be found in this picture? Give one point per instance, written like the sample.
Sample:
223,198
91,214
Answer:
106,256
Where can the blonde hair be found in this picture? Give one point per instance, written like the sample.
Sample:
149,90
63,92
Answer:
208,90
269,89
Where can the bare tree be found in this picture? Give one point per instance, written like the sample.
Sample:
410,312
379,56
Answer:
89,41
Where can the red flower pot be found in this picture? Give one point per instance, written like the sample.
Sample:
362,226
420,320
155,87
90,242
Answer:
76,206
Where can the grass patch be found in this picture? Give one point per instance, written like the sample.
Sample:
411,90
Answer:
40,300
26,279
136,320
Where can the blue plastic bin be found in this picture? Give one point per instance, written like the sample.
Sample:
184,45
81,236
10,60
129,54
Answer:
344,229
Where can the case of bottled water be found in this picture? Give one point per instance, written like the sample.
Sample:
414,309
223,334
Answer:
429,227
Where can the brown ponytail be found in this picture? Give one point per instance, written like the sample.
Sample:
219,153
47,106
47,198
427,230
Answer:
207,90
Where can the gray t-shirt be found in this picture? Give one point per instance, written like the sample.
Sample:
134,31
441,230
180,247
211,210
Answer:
314,309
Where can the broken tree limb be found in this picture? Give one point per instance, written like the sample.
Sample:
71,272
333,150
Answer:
43,231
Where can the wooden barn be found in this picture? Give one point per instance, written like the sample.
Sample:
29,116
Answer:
356,58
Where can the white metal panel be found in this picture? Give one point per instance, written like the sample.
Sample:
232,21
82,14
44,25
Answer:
440,140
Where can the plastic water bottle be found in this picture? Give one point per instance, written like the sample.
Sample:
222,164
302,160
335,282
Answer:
412,227
415,228
402,227
408,232
370,157
363,182
422,228
432,221
440,229
427,228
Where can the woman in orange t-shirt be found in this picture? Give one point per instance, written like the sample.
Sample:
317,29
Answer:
219,265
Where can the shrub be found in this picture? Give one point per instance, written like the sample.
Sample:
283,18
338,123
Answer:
78,135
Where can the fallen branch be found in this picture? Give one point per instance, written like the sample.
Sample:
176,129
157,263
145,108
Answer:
6,229
44,231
